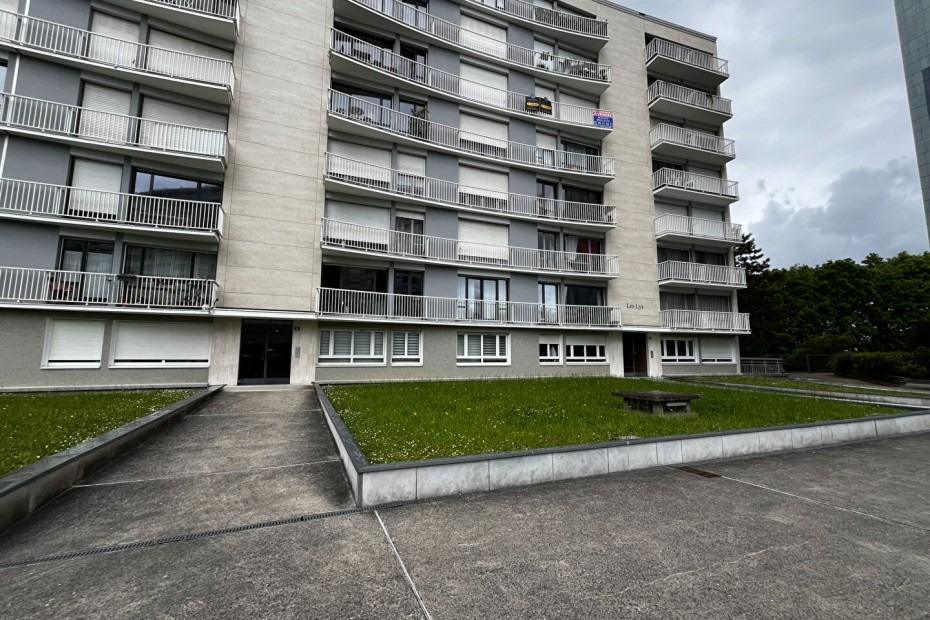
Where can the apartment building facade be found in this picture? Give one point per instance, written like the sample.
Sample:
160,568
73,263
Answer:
198,191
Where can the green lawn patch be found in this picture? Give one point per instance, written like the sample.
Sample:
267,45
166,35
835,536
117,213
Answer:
800,384
36,424
413,421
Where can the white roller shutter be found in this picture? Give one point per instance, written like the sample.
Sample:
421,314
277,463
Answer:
483,131
707,214
664,209
544,55
74,343
168,112
707,172
98,120
717,349
116,40
575,109
11,6
483,182
483,37
585,339
378,160
156,344
99,176
376,220
180,128
483,241
196,61
480,84
411,164
708,223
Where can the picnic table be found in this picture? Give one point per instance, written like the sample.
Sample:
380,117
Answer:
656,402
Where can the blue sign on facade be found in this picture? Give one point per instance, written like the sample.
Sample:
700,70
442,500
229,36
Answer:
603,118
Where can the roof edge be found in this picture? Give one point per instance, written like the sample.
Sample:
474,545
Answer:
656,20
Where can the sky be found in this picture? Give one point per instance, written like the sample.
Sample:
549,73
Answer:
825,153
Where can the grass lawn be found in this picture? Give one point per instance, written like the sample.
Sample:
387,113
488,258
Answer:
807,385
412,421
34,425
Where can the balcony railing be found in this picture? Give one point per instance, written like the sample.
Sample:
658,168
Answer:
691,139
371,240
549,17
485,45
705,321
687,55
697,273
29,32
669,224
668,177
761,366
78,288
70,121
364,304
454,85
72,203
689,96
418,128
216,8
367,175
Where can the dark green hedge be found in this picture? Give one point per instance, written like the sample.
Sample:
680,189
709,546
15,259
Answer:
914,365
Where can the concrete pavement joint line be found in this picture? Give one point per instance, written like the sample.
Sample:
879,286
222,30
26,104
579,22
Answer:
403,567
206,473
829,505
268,412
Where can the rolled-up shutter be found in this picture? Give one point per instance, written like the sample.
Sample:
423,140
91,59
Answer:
115,40
197,132
361,162
707,214
576,109
483,37
479,84
375,220
99,176
483,241
663,209
97,119
204,63
10,6
150,343
717,349
475,129
74,343
479,182
167,112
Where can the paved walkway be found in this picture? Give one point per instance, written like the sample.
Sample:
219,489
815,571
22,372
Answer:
836,532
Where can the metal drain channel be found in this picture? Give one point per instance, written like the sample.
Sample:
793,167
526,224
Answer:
698,472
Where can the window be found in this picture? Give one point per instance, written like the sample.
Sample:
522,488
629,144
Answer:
676,301
406,349
167,263
73,344
482,298
584,253
167,186
713,303
361,105
710,258
580,157
550,349
416,119
673,254
80,263
584,296
150,344
585,349
578,194
678,351
548,298
351,347
546,197
483,349
717,350
413,65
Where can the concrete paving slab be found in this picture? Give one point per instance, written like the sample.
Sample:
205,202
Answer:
333,568
236,402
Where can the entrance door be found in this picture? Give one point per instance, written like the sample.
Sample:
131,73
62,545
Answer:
634,355
265,352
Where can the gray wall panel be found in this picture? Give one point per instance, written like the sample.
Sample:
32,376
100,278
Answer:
518,35
445,9
521,82
523,287
522,132
523,234
71,12
32,160
45,80
441,223
440,281
28,245
443,167
522,182
443,112
443,59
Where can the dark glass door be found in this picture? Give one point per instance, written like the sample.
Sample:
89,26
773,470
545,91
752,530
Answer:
409,284
265,352
634,355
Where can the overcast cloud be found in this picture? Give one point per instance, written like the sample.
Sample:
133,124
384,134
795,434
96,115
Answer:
825,153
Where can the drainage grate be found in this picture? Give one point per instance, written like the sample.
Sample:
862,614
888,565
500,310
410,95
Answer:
698,472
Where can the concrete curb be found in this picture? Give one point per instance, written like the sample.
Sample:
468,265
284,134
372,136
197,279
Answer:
878,399
414,480
24,490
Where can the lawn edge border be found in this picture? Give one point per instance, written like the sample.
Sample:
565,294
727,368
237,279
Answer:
26,489
875,399
409,481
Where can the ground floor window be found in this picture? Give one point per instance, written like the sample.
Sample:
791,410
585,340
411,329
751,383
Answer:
678,351
585,349
339,346
550,349
717,350
71,343
147,344
483,349
406,348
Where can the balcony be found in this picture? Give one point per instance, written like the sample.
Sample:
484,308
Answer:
684,63
686,229
364,179
368,306
129,135
687,103
354,238
701,321
583,32
357,116
696,146
88,208
698,275
680,185
219,18
581,75
354,56
202,77
27,287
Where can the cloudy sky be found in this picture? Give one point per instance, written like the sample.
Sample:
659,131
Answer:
825,153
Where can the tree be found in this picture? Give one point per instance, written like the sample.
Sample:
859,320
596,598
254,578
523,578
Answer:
756,298
750,257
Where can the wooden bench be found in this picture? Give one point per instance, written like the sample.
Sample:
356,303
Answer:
655,402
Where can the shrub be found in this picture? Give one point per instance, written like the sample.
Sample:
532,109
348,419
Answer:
914,365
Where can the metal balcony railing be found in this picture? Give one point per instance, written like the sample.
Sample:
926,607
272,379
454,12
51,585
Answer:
371,240
692,139
71,121
33,33
549,17
687,55
761,366
694,182
58,201
705,321
485,45
341,302
50,286
367,175
217,8
451,84
419,128
683,94
668,224
697,273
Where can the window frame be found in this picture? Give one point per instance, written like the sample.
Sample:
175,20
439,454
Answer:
553,341
47,345
117,364
407,360
677,358
322,360
599,358
480,360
